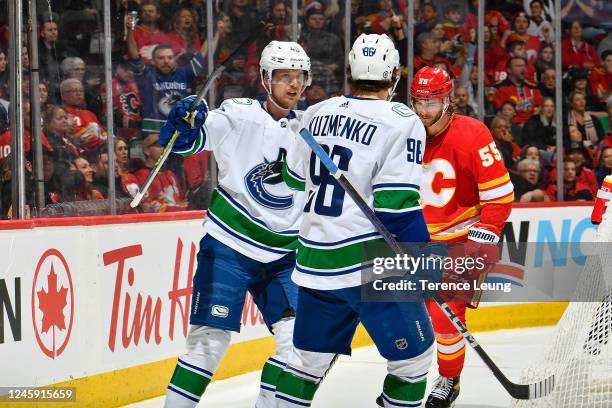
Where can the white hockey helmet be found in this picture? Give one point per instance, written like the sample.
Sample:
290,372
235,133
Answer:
284,55
373,58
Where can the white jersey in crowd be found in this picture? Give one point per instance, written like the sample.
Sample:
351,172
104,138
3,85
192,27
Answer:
379,145
252,210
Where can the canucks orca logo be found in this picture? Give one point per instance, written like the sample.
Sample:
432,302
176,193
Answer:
260,179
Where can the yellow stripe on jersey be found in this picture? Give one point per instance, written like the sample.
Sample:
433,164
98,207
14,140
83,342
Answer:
503,200
469,213
500,180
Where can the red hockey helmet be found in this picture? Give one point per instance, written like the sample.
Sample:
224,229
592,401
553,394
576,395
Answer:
431,83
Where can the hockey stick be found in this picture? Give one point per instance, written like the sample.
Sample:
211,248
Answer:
517,391
192,111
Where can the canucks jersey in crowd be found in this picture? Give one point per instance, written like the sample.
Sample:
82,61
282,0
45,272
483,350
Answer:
252,210
380,146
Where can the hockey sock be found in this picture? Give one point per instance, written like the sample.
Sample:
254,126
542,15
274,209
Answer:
398,393
451,355
187,385
270,373
294,391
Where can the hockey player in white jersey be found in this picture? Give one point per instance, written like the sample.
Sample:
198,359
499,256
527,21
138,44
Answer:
251,228
378,145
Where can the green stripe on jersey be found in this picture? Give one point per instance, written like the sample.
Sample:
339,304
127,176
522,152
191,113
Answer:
291,181
342,257
290,384
396,199
221,208
402,390
270,373
189,381
195,147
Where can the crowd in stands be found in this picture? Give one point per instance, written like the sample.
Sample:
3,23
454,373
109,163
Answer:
161,53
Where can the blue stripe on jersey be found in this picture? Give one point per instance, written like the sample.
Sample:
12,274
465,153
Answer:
344,241
181,393
397,404
295,402
406,226
330,273
248,241
303,373
395,186
196,368
263,387
294,174
246,212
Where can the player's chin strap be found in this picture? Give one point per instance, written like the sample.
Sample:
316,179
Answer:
392,89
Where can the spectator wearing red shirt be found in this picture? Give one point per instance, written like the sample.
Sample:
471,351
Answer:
147,34
165,193
453,23
5,134
574,190
127,101
429,47
584,174
515,48
526,97
520,24
185,35
85,128
601,78
576,52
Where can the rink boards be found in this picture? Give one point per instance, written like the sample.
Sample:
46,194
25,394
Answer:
102,303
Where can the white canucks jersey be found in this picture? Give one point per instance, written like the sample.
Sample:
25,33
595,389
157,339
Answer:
379,146
252,210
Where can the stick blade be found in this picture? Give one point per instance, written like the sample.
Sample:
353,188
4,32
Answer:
533,391
136,200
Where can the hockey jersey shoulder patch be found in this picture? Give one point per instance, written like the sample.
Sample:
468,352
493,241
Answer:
402,110
242,101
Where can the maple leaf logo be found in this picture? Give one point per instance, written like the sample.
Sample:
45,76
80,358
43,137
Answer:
52,304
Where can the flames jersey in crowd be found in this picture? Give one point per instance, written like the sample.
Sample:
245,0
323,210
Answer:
86,128
164,195
465,183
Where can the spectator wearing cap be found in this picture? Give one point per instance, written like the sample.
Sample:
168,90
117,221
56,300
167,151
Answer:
525,96
576,52
165,193
573,190
86,129
319,44
601,78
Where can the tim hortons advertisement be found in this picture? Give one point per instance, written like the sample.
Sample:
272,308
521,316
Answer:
82,300
78,300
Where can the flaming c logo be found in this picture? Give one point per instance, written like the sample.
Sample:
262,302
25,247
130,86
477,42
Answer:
52,303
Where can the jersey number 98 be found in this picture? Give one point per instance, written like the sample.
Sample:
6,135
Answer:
415,151
329,198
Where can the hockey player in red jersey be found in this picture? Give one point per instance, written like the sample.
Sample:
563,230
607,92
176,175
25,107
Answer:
466,196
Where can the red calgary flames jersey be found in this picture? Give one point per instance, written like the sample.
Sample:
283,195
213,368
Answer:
465,184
